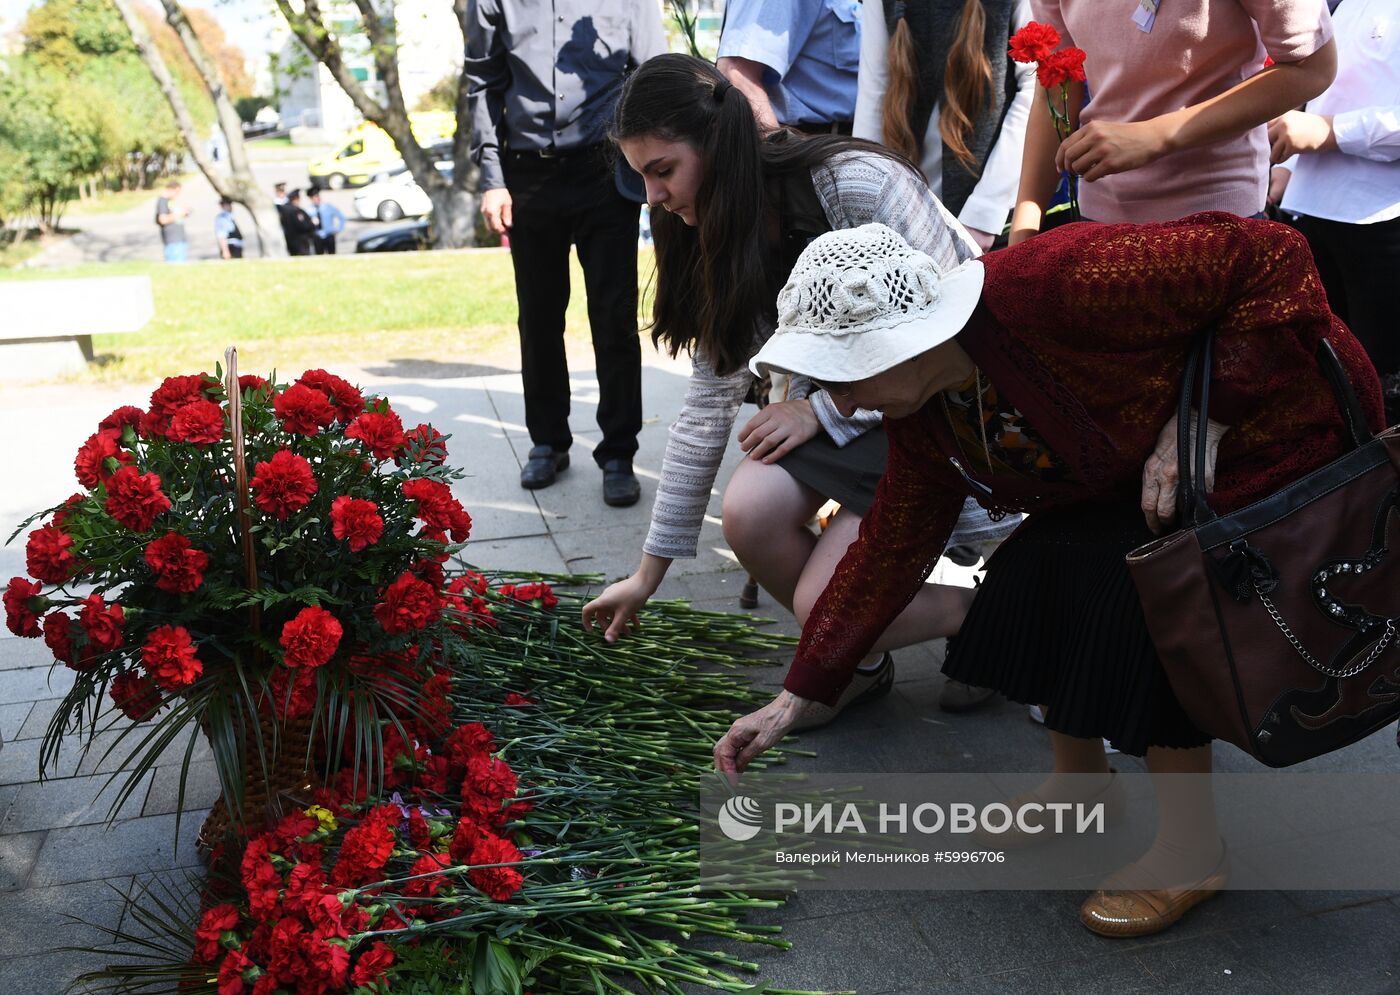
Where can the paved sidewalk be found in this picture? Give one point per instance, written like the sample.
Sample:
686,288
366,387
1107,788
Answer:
57,857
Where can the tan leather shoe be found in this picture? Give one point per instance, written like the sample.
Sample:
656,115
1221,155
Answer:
1142,912
1115,803
866,685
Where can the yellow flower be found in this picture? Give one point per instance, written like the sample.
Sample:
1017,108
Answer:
322,815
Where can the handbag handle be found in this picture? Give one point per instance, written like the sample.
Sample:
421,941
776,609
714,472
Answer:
1190,492
1193,508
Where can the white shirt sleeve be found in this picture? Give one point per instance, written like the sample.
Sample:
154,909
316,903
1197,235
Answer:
874,75
1369,132
994,195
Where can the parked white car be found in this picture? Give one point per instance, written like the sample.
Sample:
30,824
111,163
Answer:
397,196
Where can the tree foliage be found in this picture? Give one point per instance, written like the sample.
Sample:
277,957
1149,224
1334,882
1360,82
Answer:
79,105
51,135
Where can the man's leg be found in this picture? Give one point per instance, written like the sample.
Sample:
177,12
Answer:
606,235
539,250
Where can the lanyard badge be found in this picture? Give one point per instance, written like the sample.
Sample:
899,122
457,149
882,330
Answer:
1145,14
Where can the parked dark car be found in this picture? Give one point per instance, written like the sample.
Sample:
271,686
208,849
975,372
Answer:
401,238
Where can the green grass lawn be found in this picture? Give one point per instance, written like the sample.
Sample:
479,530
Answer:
329,311
12,253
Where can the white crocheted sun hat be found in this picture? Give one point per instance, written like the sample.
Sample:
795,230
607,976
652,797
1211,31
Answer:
860,301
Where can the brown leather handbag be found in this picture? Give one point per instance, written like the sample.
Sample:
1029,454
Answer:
1277,623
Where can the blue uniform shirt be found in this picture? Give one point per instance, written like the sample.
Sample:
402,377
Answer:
811,49
225,226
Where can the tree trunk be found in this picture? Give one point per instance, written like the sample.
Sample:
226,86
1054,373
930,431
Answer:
267,231
309,26
240,187
454,217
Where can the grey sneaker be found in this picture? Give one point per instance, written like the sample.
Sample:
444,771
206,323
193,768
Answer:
867,685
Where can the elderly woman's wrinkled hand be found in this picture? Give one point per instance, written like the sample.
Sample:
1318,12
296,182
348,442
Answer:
756,732
1160,475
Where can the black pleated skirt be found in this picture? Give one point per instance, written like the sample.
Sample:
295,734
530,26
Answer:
1057,623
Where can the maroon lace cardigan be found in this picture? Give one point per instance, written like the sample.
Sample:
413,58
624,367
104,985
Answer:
1085,329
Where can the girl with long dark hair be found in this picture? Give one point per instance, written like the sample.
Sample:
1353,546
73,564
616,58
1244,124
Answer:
737,209
937,86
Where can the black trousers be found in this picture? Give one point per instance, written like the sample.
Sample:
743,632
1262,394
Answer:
325,245
556,202
1359,266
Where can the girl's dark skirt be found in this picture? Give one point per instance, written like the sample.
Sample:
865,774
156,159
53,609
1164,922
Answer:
845,474
1057,623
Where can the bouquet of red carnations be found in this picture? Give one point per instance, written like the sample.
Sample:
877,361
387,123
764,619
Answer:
245,556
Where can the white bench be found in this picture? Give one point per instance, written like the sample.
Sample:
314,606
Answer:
46,326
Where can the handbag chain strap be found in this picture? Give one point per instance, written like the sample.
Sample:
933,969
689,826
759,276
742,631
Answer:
1312,661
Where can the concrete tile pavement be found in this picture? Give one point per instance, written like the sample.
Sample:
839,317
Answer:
57,856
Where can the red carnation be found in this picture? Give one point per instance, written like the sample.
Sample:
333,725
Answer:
47,555
135,499
178,566
22,598
169,657
436,536
408,604
464,840
171,396
91,466
293,691
436,708
216,922
364,852
260,878
372,964
283,485
1034,42
539,595
423,444
102,624
253,382
474,582
136,695
425,887
118,420
200,422
488,785
1060,67
303,410
357,521
67,508
499,883
438,508
231,974
348,401
58,635
514,700
381,431
466,742
420,834
310,639
430,571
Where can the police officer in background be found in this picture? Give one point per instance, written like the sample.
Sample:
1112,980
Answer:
544,79
796,60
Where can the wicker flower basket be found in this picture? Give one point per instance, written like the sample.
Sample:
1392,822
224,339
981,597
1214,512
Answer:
286,752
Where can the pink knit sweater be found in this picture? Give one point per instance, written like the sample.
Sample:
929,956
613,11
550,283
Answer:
1196,50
